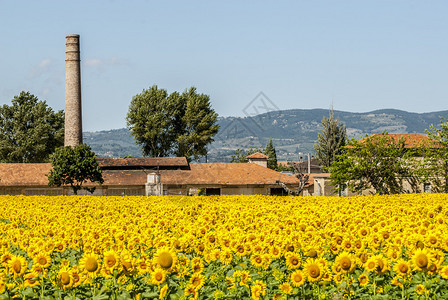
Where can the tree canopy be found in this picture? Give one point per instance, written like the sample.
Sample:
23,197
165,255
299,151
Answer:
434,165
330,141
376,162
172,124
74,166
29,130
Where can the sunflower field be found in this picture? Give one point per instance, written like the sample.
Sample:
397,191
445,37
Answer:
224,247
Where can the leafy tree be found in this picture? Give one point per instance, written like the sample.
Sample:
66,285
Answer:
74,166
270,152
29,130
330,141
197,124
165,124
377,161
434,165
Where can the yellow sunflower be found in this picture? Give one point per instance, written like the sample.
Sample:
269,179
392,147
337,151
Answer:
444,272
313,270
363,280
256,260
286,288
346,262
421,259
158,276
402,268
65,278
166,259
163,291
42,260
293,260
297,278
111,260
90,263
420,289
197,281
31,279
257,289
17,265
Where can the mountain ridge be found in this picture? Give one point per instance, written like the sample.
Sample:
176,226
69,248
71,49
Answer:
293,131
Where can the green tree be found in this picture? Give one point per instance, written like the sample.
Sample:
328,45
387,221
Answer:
74,166
29,130
434,165
330,141
196,126
165,124
270,152
376,162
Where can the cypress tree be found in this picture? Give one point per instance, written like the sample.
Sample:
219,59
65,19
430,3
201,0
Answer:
270,152
330,141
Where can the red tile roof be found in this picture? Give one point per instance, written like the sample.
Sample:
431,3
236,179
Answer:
411,140
151,162
24,174
200,174
257,155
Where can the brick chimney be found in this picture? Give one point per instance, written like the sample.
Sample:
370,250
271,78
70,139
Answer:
73,116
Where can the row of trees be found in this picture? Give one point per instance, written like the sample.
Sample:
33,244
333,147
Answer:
163,124
381,162
183,124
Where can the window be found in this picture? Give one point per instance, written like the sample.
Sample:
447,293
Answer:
278,192
427,188
212,191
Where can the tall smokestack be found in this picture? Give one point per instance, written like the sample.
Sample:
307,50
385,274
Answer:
73,117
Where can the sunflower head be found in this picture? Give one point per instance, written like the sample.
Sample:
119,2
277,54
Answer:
165,258
297,278
421,259
313,269
111,260
363,279
402,268
158,276
90,263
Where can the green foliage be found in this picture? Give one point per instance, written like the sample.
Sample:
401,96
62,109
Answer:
270,152
74,166
165,124
377,161
29,130
330,141
434,165
197,125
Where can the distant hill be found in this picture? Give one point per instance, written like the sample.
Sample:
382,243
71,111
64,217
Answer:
292,131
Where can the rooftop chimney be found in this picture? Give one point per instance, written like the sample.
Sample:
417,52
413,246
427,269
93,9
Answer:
73,117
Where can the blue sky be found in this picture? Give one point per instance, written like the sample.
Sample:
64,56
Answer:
360,55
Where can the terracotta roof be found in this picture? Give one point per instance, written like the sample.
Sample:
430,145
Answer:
24,174
200,174
411,140
257,155
146,162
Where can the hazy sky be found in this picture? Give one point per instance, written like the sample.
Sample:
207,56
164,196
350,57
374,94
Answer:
360,55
